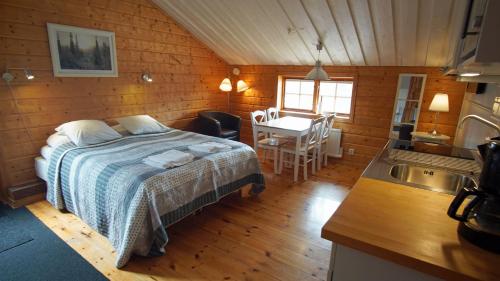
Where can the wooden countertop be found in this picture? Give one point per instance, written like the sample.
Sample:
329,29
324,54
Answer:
408,226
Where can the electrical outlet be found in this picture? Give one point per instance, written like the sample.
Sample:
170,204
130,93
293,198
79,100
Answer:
351,151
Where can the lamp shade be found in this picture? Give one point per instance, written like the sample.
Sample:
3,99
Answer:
317,73
440,103
225,85
241,86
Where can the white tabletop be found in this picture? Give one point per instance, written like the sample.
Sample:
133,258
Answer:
288,123
426,135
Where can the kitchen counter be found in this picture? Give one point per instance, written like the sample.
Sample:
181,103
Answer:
409,227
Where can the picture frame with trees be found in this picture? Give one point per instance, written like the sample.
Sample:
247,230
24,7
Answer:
82,52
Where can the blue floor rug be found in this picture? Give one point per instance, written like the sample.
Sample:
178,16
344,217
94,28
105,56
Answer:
31,251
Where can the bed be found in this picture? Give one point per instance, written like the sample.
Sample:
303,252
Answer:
109,187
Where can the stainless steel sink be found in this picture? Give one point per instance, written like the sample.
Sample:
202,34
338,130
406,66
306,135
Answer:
416,174
429,178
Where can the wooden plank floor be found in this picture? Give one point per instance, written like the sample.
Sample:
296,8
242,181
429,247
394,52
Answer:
273,237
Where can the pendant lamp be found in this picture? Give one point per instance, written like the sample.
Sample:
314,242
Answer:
318,73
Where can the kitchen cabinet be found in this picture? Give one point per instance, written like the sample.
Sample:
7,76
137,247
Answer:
477,51
349,264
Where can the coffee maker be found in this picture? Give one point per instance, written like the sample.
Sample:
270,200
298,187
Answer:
480,218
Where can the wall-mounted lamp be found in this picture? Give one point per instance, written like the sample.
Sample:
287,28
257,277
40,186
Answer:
225,85
241,86
146,76
8,77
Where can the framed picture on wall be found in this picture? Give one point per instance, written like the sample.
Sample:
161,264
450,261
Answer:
82,52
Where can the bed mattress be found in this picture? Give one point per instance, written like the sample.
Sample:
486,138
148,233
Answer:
41,167
46,152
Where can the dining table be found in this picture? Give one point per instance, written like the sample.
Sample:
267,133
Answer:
291,126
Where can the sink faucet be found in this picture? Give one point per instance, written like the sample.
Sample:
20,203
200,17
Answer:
476,154
480,119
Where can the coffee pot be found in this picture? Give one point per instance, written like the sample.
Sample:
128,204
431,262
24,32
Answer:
480,218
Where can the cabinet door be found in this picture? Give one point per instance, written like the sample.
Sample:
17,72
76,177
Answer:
352,265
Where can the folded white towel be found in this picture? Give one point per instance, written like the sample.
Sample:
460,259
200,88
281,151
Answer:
164,166
169,159
209,147
170,155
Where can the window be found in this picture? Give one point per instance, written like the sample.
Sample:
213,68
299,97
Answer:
311,96
299,94
335,96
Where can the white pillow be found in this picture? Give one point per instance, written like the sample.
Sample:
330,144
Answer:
86,132
141,124
121,130
57,139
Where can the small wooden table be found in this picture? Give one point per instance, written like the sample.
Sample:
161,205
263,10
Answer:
289,126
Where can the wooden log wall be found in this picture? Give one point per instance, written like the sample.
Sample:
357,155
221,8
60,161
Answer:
186,74
375,94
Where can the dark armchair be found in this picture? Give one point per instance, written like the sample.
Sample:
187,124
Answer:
219,124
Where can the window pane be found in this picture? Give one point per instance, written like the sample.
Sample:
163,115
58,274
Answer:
291,101
327,104
327,88
336,96
299,94
306,102
344,89
343,105
292,86
307,87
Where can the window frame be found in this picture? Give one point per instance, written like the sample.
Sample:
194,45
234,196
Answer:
340,117
282,105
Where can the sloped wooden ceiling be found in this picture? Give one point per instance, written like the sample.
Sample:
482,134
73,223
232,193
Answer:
354,32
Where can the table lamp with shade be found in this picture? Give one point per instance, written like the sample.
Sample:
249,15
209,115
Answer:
439,104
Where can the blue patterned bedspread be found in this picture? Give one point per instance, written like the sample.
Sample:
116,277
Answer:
131,203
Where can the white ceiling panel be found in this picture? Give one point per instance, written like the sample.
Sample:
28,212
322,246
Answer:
349,35
354,32
361,13
324,25
279,20
303,26
440,19
406,25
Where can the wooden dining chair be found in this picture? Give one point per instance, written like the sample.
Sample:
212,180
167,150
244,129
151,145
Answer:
256,117
272,113
309,146
262,140
322,143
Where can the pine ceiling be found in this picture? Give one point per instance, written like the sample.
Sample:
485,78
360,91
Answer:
354,32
